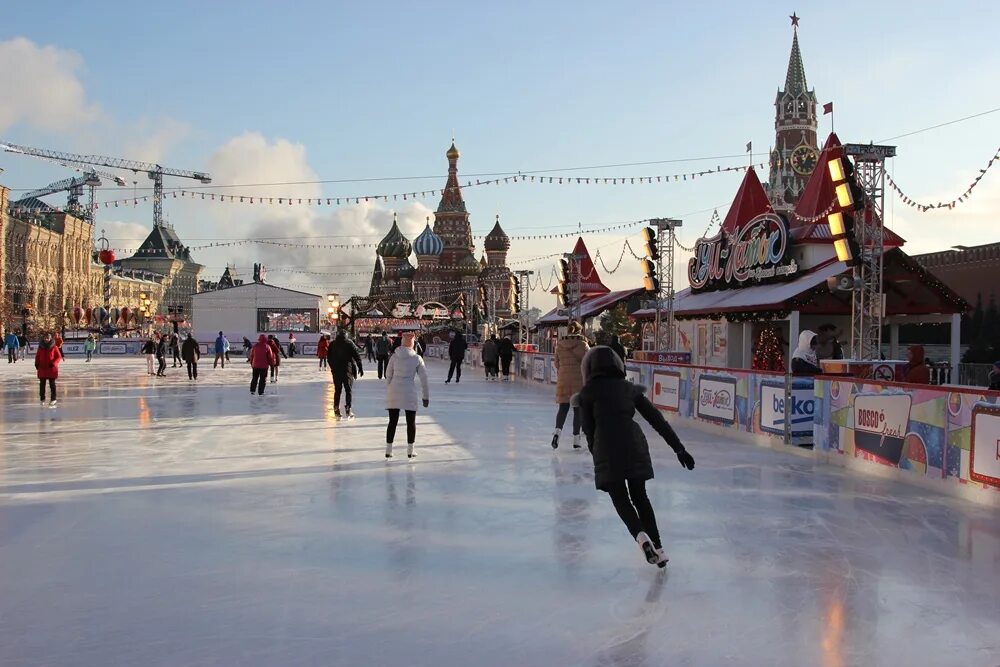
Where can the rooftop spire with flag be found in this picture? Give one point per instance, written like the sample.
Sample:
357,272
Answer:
795,78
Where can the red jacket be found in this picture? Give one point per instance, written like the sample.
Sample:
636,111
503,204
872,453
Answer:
261,355
276,352
322,347
47,361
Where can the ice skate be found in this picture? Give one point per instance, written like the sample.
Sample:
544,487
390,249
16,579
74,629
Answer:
576,441
662,559
388,450
336,414
648,550
555,439
409,451
52,403
350,414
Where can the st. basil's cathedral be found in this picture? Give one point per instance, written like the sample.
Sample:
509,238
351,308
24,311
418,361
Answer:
446,261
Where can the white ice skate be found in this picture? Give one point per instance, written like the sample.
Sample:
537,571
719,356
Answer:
576,441
350,414
336,414
662,558
52,404
648,550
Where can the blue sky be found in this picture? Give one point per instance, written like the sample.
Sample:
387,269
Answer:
264,92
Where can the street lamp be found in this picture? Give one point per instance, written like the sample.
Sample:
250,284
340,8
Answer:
333,308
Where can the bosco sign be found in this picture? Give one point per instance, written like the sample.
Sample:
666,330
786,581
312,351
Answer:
757,252
717,398
880,422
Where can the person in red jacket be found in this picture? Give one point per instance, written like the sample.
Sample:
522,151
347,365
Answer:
917,370
47,360
261,359
278,354
321,349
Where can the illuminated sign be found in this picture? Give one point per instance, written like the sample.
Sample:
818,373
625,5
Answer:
756,253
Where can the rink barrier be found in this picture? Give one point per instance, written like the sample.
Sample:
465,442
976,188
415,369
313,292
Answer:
945,439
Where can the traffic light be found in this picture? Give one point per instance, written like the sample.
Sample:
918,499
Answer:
565,276
515,295
850,201
483,309
652,245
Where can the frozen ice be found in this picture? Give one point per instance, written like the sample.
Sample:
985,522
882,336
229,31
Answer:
162,522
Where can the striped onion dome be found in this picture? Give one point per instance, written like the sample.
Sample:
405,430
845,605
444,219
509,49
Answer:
428,243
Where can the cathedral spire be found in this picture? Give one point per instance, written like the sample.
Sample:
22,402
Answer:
795,79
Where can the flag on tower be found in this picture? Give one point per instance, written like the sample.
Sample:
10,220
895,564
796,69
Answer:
827,108
749,146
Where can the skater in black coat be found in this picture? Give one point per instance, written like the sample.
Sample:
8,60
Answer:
345,365
608,402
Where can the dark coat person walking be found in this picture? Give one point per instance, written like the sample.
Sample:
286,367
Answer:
383,348
191,353
345,365
161,356
456,353
507,350
622,465
491,358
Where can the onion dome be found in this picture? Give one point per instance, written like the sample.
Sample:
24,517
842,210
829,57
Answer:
468,266
453,153
394,244
497,240
428,243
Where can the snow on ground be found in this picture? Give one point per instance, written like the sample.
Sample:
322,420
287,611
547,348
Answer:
162,522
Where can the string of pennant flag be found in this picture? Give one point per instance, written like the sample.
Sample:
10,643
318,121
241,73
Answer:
923,208
270,200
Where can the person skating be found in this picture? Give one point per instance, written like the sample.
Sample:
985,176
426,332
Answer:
383,348
322,347
401,393
622,466
57,337
161,356
370,348
345,366
23,340
617,346
175,349
13,345
570,351
191,353
47,360
220,351
419,346
278,354
456,353
247,346
226,345
261,359
491,358
507,350
291,346
149,349
89,346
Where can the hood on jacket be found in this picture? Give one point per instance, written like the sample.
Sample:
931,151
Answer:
601,361
916,354
47,344
263,339
805,349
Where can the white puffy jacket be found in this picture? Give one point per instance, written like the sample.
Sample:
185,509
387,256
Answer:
401,393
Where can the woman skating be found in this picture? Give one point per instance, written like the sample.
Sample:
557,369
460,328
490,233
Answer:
321,350
569,355
622,465
261,359
47,360
278,354
401,393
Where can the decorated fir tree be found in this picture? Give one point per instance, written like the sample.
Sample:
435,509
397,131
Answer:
768,355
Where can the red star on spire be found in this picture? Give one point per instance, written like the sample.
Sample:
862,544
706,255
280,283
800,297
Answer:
795,20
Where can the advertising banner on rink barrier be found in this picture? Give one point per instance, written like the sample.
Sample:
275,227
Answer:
800,408
717,398
538,368
73,348
666,393
114,348
942,433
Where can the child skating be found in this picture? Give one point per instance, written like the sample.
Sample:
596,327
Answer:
608,402
401,393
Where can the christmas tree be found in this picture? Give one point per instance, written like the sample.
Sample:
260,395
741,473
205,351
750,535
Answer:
768,355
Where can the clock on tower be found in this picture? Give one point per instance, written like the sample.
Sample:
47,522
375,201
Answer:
804,159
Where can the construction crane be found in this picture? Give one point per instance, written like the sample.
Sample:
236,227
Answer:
91,179
154,171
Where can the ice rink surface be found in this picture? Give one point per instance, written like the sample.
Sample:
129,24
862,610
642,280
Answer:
158,522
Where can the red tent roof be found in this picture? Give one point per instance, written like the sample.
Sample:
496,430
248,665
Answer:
816,199
750,201
590,282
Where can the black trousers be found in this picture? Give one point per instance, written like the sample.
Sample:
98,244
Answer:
322,362
492,370
561,417
411,426
52,389
456,369
371,355
342,384
177,357
192,367
219,356
634,508
383,363
505,365
163,365
259,381
11,355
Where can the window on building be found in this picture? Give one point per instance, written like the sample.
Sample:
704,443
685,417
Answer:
286,320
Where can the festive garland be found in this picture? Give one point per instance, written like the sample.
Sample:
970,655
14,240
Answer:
923,208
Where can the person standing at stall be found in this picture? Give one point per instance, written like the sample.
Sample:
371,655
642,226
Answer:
804,358
917,370
401,393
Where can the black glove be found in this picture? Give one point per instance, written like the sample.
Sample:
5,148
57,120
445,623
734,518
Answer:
686,459
427,402
361,373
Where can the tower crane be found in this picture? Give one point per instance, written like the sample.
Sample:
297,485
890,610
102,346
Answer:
154,171
91,179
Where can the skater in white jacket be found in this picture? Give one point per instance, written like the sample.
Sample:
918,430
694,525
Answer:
401,392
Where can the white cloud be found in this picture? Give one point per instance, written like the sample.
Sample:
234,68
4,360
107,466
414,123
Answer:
149,140
124,237
41,88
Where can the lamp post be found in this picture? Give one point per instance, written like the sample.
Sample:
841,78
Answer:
333,308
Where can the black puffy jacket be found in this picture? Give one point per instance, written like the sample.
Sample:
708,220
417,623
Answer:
608,403
343,357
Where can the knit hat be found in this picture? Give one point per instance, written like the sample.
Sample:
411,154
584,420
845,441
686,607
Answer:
574,328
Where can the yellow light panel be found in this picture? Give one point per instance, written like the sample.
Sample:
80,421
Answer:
837,170
836,221
843,250
844,197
